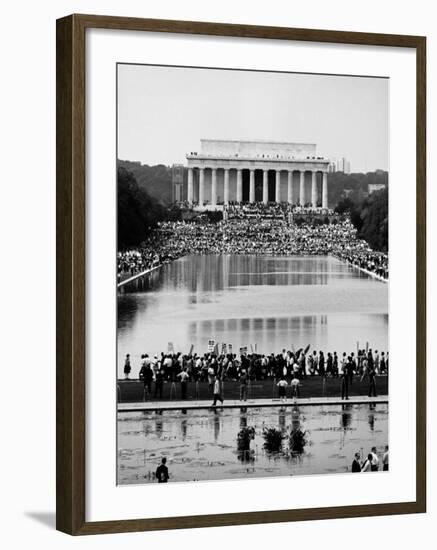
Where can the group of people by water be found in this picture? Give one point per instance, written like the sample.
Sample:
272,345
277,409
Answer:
266,230
132,262
371,463
287,368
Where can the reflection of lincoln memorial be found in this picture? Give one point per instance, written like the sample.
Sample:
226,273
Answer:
257,171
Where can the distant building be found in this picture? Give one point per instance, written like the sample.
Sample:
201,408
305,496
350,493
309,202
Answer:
340,165
375,187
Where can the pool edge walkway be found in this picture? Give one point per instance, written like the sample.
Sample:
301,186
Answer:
138,275
232,404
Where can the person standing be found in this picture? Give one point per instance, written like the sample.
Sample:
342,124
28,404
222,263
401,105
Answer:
382,363
350,370
282,384
335,365
321,364
344,381
385,460
243,386
365,370
375,460
146,375
356,466
127,367
376,362
367,466
217,392
183,375
161,473
159,382
329,365
211,375
295,383
372,383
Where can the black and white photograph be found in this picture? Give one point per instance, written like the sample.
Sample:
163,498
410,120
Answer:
252,274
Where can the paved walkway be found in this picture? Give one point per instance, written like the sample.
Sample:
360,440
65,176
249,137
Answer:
232,404
137,276
132,391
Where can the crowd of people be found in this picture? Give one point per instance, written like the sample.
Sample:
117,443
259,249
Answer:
287,366
375,262
254,229
284,211
132,262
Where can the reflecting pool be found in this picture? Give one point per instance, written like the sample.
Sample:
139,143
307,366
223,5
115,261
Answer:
268,302
202,444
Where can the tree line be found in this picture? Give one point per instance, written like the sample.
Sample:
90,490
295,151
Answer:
157,181
143,203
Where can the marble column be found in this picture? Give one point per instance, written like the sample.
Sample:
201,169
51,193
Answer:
314,189
190,193
213,186
290,187
265,186
325,190
278,187
226,186
252,186
302,188
201,186
239,185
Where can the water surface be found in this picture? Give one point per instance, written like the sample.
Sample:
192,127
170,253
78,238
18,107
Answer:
202,444
271,302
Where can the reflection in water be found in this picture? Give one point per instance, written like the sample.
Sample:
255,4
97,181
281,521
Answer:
203,444
158,424
282,419
216,424
220,272
295,418
243,418
184,424
346,416
270,302
372,416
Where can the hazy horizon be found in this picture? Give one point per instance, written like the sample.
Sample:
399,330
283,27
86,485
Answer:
164,112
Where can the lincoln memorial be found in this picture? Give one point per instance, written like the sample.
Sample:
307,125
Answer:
227,171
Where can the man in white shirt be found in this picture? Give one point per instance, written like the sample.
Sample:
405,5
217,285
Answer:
367,466
295,383
183,375
375,460
217,392
282,385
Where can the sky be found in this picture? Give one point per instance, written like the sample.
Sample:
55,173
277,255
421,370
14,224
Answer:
164,112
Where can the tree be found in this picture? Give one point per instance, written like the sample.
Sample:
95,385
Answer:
155,180
138,212
369,217
353,186
344,205
374,216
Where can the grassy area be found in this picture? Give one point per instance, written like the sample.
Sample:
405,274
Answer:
132,391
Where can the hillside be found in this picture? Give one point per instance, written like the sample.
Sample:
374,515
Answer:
155,180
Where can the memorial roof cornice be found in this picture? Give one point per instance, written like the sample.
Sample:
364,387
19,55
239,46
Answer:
234,158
